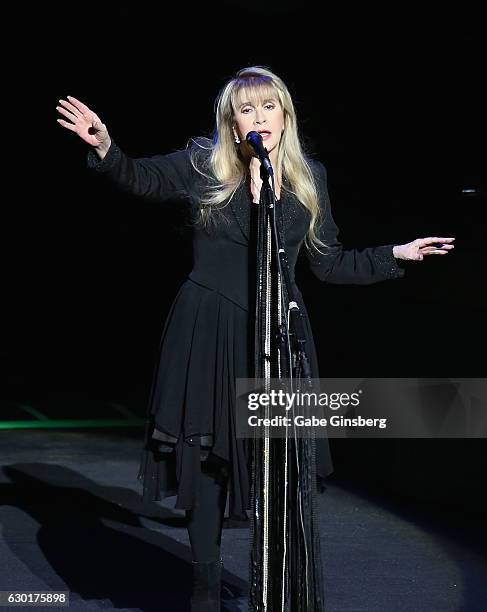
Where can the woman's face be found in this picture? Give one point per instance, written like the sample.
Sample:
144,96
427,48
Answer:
263,115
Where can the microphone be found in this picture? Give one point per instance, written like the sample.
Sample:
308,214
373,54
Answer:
255,141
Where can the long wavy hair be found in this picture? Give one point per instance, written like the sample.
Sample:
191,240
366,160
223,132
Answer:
226,164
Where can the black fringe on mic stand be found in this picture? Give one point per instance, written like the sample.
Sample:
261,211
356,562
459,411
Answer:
285,558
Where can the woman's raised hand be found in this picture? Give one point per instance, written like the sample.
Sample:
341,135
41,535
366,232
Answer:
85,123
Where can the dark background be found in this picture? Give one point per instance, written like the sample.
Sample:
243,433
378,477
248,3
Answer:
388,99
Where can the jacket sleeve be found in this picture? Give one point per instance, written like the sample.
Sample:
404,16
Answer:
339,266
161,177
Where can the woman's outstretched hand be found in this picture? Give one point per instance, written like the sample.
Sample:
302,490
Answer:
85,123
417,249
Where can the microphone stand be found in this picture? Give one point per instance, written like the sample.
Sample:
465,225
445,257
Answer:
285,559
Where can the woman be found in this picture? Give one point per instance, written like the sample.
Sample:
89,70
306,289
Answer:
190,444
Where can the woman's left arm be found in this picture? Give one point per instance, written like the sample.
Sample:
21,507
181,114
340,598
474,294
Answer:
369,265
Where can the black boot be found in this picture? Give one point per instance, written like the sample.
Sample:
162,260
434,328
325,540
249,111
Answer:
206,586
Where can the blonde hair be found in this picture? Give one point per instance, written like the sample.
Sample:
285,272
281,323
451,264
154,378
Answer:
226,166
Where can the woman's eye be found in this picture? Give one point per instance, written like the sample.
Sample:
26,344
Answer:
245,110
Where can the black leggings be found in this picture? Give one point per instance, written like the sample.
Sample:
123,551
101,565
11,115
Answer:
205,519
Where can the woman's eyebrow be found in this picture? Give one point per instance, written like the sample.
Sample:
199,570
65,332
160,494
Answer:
263,102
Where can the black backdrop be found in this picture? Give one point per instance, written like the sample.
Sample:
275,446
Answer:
388,99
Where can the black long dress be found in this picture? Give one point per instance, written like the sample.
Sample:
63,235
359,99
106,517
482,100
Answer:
207,340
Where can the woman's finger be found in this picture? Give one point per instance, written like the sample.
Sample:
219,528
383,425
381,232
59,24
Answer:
67,124
82,107
67,114
430,240
447,247
71,108
432,251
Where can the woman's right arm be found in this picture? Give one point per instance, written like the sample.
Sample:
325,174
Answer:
161,177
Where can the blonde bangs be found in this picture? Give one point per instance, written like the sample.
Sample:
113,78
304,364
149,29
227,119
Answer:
254,91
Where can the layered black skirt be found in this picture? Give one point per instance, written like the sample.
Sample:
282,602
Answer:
206,344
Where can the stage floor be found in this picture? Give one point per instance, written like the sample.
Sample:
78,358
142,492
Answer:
72,520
